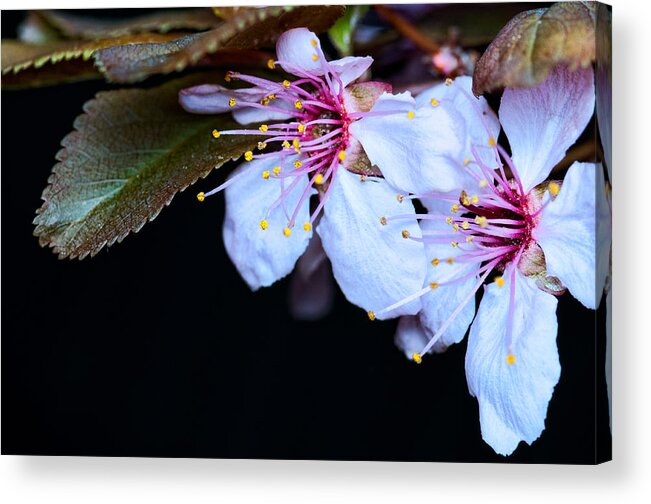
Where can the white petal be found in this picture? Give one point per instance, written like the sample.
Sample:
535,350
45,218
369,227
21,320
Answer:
418,154
296,49
481,122
513,398
351,67
312,290
214,99
567,229
249,115
543,121
440,303
410,336
263,256
373,264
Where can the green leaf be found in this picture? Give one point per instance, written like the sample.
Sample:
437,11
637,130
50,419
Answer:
162,21
246,29
341,34
27,64
534,42
130,153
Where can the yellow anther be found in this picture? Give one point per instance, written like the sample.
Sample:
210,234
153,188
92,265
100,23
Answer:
455,244
383,220
297,164
248,155
448,82
371,315
499,281
469,239
232,102
482,221
400,198
475,200
433,285
261,145
491,141
287,231
264,224
463,197
298,104
264,128
216,133
271,64
315,57
265,101
318,180
405,233
285,144
286,83
454,208
554,188
465,224
416,358
455,227
227,77
276,170
362,178
449,260
411,114
272,96
307,226
448,220
434,102
510,359
266,174
201,196
313,42
466,161
341,155
435,262
301,128
296,143
483,183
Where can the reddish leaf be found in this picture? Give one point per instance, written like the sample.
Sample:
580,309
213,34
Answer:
534,42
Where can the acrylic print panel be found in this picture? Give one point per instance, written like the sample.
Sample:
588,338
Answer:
395,246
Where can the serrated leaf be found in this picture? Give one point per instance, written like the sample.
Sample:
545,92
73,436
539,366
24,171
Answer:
162,21
26,64
534,42
131,151
247,29
341,34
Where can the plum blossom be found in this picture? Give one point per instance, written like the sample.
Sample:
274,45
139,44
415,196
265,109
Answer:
531,238
323,147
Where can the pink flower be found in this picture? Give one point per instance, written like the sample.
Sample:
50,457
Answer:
534,239
334,141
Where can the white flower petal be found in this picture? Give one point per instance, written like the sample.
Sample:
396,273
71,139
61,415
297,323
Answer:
415,154
543,121
373,264
410,336
351,67
440,303
214,99
263,256
481,122
249,115
297,48
312,290
566,233
513,398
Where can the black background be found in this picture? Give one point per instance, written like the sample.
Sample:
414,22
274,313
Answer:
156,347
